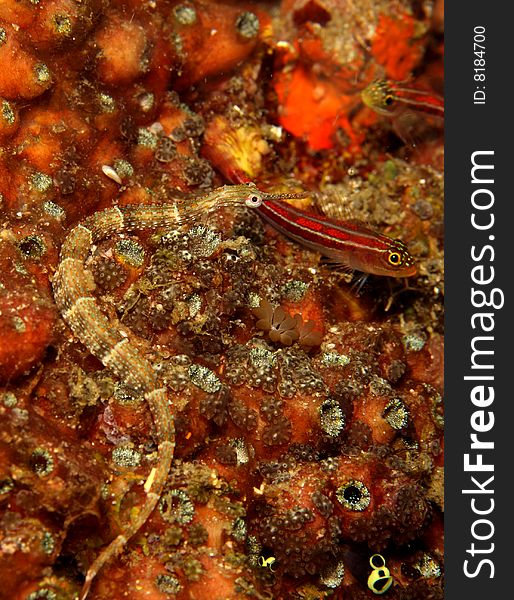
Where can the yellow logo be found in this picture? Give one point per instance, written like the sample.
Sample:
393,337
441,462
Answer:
267,562
380,579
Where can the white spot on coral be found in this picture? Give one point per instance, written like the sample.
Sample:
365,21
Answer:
111,173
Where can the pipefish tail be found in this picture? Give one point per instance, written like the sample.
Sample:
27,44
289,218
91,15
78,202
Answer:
73,286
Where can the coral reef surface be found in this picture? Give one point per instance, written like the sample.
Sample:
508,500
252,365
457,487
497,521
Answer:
308,409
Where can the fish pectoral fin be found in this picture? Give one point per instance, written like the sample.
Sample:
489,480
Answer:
336,264
359,283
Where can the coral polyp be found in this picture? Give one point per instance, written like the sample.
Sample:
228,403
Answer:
353,495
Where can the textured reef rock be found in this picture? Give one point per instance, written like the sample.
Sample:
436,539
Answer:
304,444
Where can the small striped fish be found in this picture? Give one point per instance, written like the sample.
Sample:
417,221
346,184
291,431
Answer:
346,243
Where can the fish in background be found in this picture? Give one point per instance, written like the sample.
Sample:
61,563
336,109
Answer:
412,111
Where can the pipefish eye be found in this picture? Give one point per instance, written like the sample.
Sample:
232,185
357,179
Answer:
395,259
253,200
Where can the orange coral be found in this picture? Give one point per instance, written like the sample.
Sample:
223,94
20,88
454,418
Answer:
318,78
213,38
122,44
312,108
397,46
26,77
27,313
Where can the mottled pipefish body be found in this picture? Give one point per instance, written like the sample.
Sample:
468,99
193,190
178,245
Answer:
346,243
107,340
387,98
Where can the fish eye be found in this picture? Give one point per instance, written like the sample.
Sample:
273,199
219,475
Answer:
388,100
395,259
253,200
